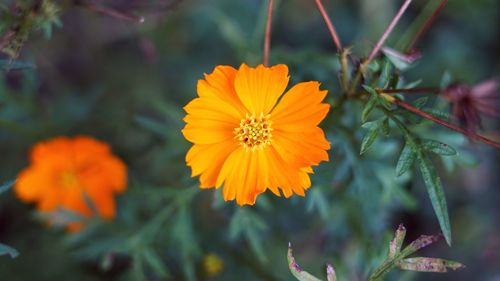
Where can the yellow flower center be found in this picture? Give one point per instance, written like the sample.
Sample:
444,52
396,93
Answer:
254,132
69,179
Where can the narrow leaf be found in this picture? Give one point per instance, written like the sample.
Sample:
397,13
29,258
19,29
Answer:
386,129
406,159
370,105
437,113
8,250
397,242
438,147
15,65
6,186
371,135
429,264
436,194
297,272
419,103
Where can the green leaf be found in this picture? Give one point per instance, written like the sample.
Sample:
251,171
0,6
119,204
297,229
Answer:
373,130
436,194
8,250
297,272
370,105
386,128
406,159
438,147
151,125
152,259
6,186
422,264
419,103
437,113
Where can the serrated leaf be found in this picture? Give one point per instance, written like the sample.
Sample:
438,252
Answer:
420,102
297,272
6,186
370,105
422,264
8,250
370,136
386,128
437,113
437,147
406,159
436,194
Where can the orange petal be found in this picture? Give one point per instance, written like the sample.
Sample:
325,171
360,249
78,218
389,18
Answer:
259,88
240,175
220,85
207,160
300,109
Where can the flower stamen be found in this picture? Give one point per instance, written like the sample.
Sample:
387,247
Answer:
254,132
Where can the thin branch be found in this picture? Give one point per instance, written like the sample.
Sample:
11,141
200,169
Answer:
410,91
329,24
109,12
387,32
426,115
426,25
267,36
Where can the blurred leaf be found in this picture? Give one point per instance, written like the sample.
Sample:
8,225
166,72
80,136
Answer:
297,272
406,159
386,128
317,200
7,250
152,125
445,80
420,102
15,65
330,273
429,264
6,186
438,113
436,194
400,60
438,147
154,261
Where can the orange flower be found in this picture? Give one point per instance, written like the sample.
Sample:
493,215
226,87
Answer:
247,140
65,173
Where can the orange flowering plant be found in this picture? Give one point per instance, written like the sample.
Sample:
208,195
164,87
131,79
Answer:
249,137
77,174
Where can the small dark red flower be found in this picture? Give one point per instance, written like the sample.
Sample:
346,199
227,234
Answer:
468,103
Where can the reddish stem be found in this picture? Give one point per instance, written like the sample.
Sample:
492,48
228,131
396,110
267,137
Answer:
426,115
426,25
410,91
329,24
387,32
267,36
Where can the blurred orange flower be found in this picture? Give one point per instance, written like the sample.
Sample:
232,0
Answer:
70,173
249,141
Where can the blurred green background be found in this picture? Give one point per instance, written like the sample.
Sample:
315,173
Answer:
126,83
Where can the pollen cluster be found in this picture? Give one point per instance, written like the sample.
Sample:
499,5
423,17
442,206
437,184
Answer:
254,132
